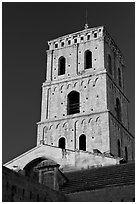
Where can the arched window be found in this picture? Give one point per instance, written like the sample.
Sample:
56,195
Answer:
61,65
73,103
62,143
88,59
118,145
109,64
82,142
126,154
118,109
119,77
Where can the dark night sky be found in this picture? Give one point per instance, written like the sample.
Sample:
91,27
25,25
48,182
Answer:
26,28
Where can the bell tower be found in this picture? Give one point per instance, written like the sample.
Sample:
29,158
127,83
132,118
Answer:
83,102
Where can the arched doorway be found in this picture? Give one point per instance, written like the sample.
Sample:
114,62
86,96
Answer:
73,102
62,143
82,142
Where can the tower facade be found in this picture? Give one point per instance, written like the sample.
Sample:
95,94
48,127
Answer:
83,102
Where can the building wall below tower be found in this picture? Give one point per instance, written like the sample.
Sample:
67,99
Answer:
118,132
94,126
66,158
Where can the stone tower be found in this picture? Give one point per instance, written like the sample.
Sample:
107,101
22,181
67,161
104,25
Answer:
84,113
83,102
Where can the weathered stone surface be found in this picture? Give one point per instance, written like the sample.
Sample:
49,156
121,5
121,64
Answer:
77,159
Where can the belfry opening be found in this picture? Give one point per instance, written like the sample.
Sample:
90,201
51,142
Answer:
73,103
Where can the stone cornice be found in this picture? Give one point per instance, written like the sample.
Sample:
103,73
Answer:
75,33
69,117
108,39
77,77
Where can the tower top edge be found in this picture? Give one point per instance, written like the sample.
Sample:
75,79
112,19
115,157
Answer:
75,34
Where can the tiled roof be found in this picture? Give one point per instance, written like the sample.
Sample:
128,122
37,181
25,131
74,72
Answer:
91,179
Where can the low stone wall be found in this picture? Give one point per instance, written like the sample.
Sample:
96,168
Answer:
109,194
18,188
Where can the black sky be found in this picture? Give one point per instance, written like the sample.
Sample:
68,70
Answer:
26,28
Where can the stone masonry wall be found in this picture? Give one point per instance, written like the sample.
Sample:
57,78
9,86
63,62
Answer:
117,131
18,188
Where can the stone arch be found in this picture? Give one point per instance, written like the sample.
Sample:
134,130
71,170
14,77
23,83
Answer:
30,169
89,81
75,84
68,86
64,124
57,125
98,119
81,83
96,79
34,162
89,121
45,129
50,127
83,121
61,87
94,82
55,88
